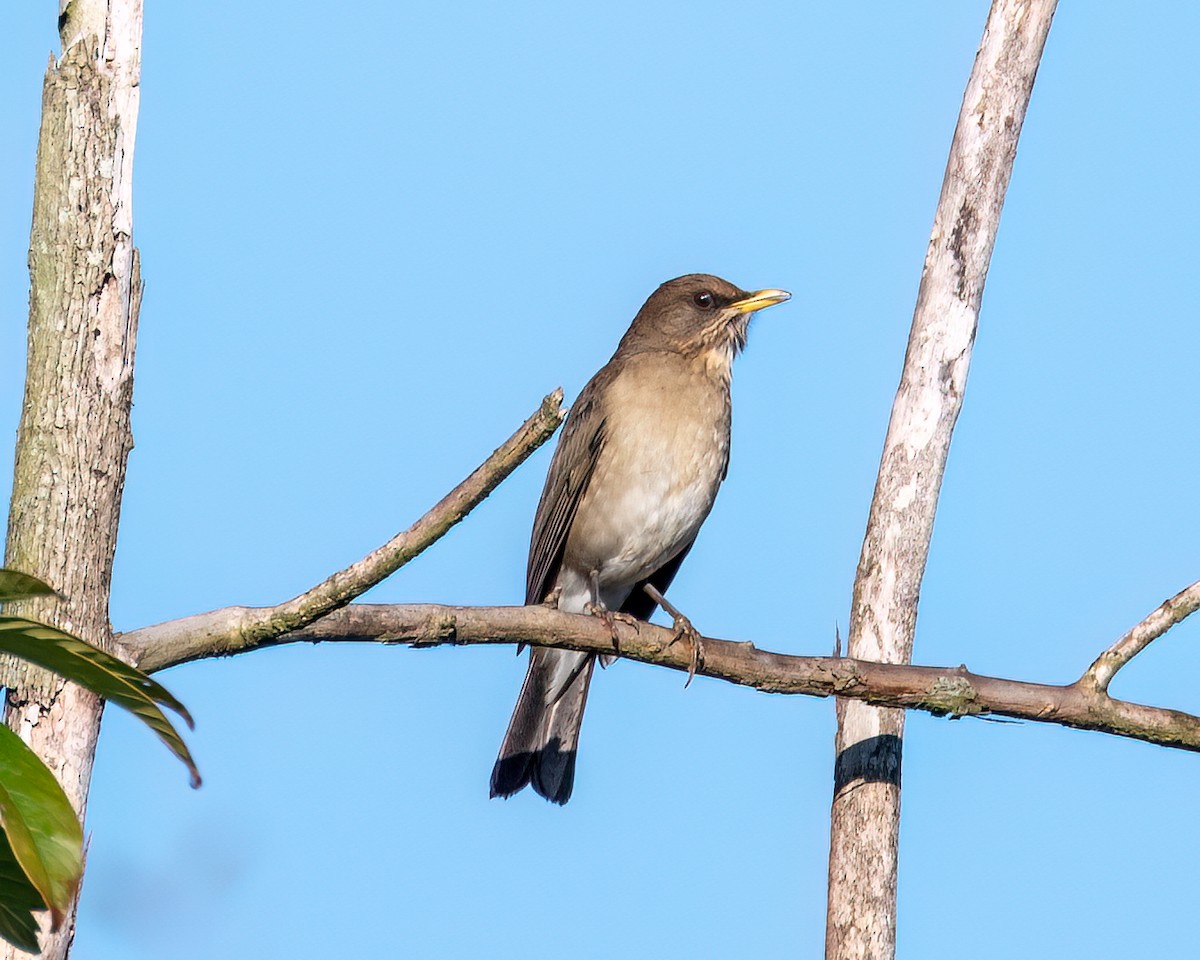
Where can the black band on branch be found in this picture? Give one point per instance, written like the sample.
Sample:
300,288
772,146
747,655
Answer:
874,760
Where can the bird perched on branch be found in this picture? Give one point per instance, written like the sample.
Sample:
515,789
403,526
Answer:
637,468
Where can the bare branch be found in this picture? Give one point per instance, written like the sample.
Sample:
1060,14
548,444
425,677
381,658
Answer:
861,917
248,627
942,691
1099,675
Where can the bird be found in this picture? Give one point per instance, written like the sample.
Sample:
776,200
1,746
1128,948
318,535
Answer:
635,473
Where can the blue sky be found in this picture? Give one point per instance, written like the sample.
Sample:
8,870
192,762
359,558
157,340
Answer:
375,236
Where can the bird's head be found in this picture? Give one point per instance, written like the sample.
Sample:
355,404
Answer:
698,315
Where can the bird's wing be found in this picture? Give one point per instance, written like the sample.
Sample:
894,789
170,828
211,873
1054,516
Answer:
570,472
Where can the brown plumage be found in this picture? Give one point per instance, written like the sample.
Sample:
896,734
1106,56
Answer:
637,468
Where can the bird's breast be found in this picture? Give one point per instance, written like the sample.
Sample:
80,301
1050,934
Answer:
665,452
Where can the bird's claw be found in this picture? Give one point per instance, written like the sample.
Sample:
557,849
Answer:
684,628
611,618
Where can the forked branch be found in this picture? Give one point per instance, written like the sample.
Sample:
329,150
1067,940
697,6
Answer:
247,627
1099,675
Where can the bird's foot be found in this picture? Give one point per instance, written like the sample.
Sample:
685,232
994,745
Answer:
611,618
683,628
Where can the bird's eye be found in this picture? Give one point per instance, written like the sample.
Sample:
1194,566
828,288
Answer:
704,300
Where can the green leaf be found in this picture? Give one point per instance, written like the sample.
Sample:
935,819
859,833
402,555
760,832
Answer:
15,585
18,899
42,830
101,673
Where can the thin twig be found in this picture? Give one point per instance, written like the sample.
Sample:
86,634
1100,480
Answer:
256,626
1099,675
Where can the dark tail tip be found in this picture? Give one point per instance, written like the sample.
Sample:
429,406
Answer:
550,771
510,774
553,773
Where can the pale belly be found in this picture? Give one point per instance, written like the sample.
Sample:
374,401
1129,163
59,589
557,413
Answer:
653,486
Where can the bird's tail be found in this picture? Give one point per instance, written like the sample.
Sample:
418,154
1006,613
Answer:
543,735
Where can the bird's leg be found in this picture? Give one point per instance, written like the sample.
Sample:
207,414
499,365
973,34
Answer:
683,628
596,608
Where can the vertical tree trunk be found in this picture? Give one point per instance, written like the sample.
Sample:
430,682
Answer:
74,436
861,917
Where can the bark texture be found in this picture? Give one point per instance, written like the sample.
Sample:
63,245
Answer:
942,691
861,916
74,436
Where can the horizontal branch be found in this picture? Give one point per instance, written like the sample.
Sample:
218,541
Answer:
150,647
942,691
321,614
